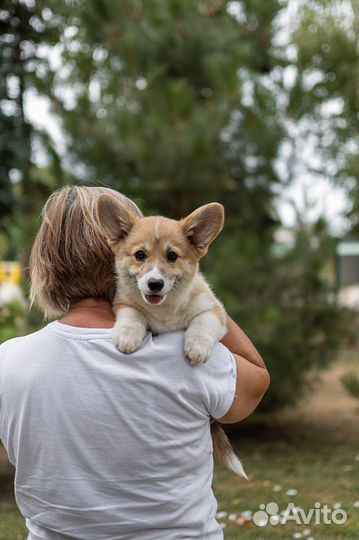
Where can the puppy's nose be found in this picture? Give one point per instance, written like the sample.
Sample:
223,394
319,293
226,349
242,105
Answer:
155,284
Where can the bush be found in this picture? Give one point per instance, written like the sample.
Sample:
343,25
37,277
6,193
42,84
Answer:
13,321
285,304
351,384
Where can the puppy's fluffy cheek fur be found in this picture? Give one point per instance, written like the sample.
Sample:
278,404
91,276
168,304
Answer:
187,271
123,262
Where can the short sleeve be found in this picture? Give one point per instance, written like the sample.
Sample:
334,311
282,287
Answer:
219,377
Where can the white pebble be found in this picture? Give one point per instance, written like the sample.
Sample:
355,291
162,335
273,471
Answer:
297,535
232,517
356,504
337,505
247,514
306,532
223,525
291,492
220,515
277,487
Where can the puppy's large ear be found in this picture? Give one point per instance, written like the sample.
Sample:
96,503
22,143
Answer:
203,225
115,218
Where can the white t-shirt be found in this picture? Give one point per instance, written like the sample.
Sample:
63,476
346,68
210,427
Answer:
112,446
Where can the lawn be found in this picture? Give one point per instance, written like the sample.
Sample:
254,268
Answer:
303,456
304,473
307,455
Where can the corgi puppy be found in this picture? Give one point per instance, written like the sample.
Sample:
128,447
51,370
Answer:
160,288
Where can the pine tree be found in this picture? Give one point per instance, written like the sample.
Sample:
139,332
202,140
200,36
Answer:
24,27
325,90
178,103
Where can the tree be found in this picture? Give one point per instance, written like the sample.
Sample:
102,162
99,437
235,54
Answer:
178,103
156,85
25,26
323,99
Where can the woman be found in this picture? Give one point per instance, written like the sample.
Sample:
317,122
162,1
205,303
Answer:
108,445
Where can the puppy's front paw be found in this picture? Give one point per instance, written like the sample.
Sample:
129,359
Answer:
127,339
197,348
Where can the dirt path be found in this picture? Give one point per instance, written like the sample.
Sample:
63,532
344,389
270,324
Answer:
328,410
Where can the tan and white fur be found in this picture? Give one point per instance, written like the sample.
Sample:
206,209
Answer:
159,286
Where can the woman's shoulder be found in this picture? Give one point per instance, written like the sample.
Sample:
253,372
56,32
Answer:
172,344
16,343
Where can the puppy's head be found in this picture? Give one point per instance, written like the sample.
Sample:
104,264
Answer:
158,254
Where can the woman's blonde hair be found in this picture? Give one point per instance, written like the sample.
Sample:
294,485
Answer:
71,259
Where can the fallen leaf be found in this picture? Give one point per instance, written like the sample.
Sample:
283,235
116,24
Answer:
243,522
266,483
247,514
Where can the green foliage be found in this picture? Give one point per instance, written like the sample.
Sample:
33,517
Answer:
181,103
325,90
351,384
285,304
158,90
13,321
24,30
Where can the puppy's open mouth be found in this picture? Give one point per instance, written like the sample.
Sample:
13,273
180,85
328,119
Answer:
154,299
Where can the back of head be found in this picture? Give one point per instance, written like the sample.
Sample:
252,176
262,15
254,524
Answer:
71,259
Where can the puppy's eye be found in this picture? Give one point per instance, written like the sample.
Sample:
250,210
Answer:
140,255
171,256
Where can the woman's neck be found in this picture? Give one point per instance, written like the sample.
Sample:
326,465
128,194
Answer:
90,313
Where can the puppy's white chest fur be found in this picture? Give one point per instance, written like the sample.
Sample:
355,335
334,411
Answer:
194,309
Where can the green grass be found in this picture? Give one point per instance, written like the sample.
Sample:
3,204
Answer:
312,449
321,472
12,524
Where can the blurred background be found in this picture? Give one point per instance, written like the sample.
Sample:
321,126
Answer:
177,103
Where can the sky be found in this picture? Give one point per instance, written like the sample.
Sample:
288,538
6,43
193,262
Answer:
306,195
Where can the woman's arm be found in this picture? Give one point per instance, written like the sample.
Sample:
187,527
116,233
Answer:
252,376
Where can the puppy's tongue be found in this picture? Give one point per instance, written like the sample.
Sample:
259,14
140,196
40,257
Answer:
154,298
